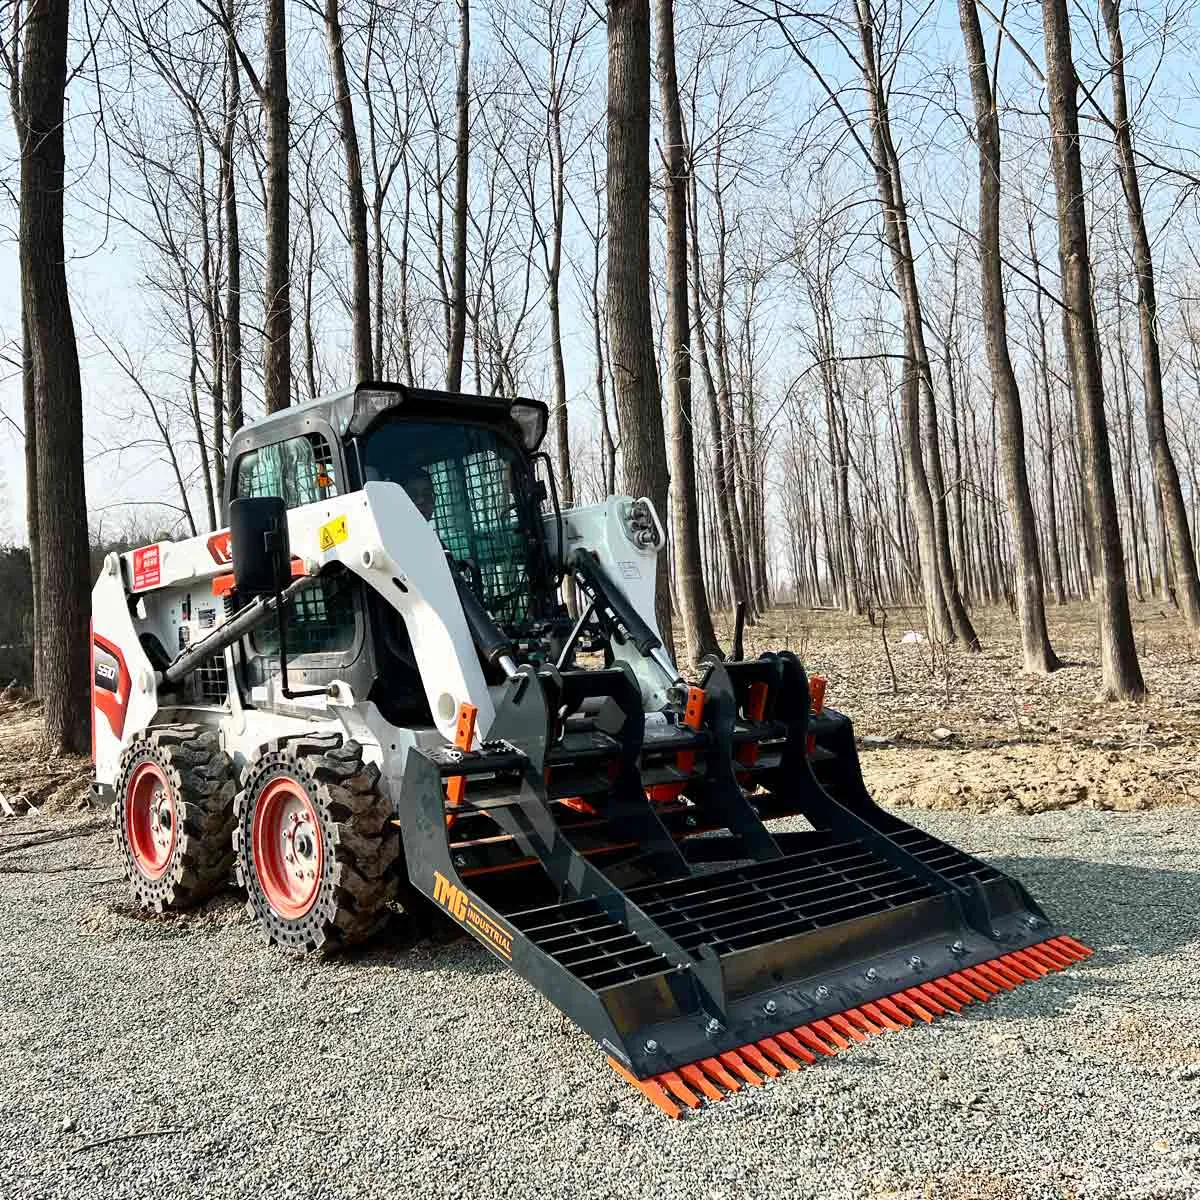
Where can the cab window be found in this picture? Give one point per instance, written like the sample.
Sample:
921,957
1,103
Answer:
302,470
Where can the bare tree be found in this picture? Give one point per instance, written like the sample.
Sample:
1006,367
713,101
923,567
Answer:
1038,654
58,397
693,601
462,150
1166,474
630,321
1121,673
356,201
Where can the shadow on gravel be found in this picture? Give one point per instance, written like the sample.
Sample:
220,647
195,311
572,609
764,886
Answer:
1145,910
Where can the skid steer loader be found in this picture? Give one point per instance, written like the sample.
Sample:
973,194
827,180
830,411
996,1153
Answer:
367,689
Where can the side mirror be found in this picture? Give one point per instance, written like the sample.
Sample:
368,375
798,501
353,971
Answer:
258,539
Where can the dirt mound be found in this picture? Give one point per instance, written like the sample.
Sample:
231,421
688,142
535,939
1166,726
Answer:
1031,778
29,774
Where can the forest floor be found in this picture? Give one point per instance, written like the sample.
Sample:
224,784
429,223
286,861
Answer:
938,730
964,731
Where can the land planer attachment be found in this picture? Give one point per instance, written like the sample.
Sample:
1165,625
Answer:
369,690
703,952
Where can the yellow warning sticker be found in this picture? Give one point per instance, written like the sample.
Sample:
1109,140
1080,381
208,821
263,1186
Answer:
333,532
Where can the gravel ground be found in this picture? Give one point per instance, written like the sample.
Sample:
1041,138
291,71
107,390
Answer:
431,1071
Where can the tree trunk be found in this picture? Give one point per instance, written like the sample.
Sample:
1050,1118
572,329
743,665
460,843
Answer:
458,277
722,486
693,601
63,566
1122,676
1053,551
233,245
1166,474
630,321
894,224
29,397
360,270
1038,654
277,354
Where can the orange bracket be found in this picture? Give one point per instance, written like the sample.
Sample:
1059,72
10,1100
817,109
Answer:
685,760
693,718
756,707
464,735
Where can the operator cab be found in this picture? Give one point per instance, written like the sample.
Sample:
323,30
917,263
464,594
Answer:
470,464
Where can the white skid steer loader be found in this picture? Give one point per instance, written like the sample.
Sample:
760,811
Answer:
367,692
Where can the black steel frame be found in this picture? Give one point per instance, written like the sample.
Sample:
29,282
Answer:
680,961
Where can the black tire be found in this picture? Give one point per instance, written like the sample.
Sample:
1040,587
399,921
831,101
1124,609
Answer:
190,852
346,839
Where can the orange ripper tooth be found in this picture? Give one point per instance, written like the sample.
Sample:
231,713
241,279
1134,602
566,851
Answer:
680,1090
1032,963
776,1053
807,1035
877,1014
894,1010
839,1022
733,1061
1074,944
1064,948
905,1001
982,981
861,1019
972,989
1017,967
985,969
931,991
650,1089
1002,972
755,1057
1050,959
700,1081
1056,954
791,1043
715,1070
954,990
827,1031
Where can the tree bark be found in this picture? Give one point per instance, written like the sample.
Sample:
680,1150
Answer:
277,354
1121,673
722,488
233,244
1166,474
1039,656
360,270
689,573
1053,551
458,271
630,320
895,224
58,427
29,398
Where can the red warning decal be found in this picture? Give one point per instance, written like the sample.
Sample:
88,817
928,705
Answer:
219,547
147,568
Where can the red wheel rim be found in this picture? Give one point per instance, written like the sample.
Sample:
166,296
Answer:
288,851
150,820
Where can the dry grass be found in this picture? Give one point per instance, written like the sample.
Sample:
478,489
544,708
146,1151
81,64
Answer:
971,731
959,730
30,775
